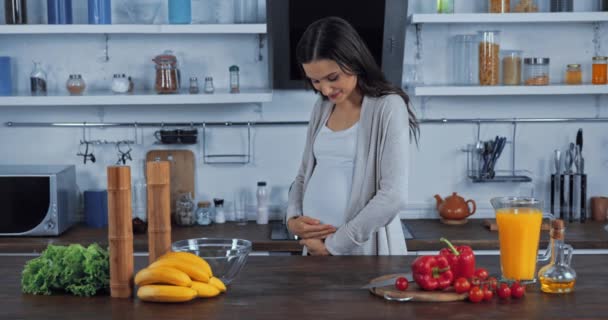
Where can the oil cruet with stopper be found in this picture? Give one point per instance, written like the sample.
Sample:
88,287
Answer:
558,276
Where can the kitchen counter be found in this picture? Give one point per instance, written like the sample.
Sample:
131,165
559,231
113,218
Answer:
296,287
589,235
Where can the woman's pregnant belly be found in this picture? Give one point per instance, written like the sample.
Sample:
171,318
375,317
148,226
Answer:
327,193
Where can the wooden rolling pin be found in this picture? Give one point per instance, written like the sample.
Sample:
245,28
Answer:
120,231
159,208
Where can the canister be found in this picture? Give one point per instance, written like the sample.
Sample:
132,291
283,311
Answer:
536,71
180,11
489,58
600,68
6,85
464,64
59,11
511,67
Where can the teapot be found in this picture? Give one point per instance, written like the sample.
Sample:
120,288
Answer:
454,207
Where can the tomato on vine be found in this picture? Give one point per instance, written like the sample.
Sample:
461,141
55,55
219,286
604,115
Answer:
462,285
401,284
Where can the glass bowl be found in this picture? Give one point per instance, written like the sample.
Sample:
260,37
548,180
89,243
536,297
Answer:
142,12
225,256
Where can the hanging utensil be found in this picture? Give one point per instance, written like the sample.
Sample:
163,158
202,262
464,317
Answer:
554,177
581,171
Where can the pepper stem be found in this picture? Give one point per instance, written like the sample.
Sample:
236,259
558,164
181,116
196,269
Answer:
437,271
451,246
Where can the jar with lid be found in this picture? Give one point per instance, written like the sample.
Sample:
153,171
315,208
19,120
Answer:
489,58
234,79
574,74
184,210
465,64
75,84
220,217
600,66
120,83
209,85
167,73
193,85
499,6
203,213
511,67
525,6
536,71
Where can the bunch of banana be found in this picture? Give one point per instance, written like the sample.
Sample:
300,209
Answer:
177,277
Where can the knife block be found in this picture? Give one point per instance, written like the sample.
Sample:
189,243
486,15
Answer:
570,186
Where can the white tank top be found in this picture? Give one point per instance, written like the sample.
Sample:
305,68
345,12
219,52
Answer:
328,191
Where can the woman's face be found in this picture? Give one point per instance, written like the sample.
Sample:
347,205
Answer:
328,78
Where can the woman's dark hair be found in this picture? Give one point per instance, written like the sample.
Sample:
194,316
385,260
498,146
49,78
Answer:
335,39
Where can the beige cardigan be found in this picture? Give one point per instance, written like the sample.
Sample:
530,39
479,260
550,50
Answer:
379,188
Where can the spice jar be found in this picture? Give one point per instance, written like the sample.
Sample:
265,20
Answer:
525,6
120,83
75,84
193,85
489,59
574,74
511,67
599,70
167,73
220,217
499,6
184,210
209,85
203,213
536,71
234,79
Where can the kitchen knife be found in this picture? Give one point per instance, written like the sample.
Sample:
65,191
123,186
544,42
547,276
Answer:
571,199
579,138
583,197
554,179
388,282
562,201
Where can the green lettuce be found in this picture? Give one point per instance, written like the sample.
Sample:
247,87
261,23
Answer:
73,269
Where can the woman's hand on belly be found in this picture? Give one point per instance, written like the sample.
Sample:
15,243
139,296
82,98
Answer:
309,228
316,247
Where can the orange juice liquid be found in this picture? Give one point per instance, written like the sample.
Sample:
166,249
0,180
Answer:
518,235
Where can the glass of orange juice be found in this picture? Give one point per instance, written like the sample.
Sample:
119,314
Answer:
519,222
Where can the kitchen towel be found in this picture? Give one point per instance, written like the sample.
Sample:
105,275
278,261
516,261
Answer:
96,208
6,85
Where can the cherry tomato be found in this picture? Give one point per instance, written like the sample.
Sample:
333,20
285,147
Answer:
492,283
481,273
517,290
475,294
503,292
475,281
488,294
401,284
462,285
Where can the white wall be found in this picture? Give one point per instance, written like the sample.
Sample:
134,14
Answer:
437,166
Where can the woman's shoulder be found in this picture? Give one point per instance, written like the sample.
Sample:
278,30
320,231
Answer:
388,104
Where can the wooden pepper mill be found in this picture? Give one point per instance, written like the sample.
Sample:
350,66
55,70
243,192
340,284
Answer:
120,231
159,208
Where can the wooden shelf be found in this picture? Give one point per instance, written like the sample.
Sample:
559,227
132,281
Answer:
438,91
134,29
147,98
540,17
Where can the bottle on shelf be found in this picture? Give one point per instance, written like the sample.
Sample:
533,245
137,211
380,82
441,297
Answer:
15,11
558,276
234,79
38,83
262,197
59,11
220,217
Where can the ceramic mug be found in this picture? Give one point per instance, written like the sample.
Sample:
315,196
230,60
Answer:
599,208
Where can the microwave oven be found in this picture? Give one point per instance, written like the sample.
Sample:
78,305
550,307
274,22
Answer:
37,200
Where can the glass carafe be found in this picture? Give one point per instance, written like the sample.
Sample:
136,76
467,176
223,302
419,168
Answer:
558,276
519,222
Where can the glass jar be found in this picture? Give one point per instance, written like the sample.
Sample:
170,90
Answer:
525,6
536,71
234,79
167,73
38,80
511,67
184,210
445,6
574,74
120,83
75,84
499,6
245,11
209,85
193,85
599,75
464,64
562,5
203,213
489,58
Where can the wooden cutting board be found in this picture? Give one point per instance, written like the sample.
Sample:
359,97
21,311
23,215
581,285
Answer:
414,291
182,171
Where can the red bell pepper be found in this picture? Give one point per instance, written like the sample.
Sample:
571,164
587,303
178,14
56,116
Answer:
432,272
461,259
